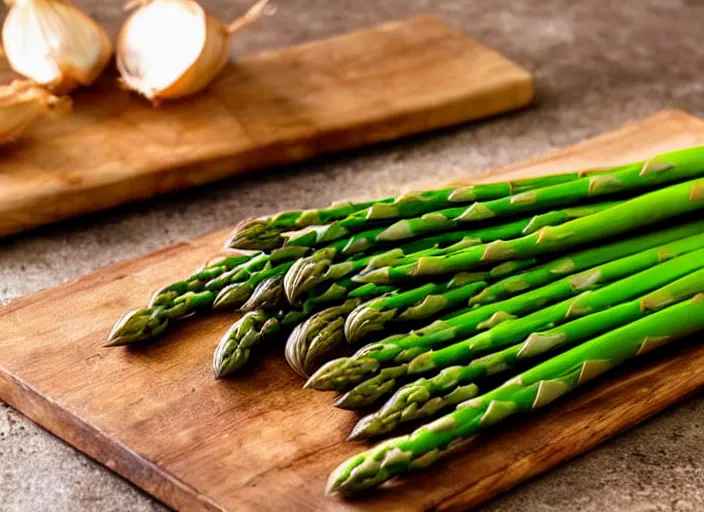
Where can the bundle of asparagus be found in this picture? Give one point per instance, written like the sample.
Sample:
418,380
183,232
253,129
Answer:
542,283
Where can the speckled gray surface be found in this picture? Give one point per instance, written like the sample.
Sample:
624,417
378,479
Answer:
597,64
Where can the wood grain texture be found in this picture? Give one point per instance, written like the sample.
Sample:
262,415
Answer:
258,441
285,106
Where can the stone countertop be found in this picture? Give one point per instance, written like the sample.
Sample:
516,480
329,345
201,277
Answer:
597,65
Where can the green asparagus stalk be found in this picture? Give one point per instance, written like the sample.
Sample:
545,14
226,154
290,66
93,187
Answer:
185,298
266,232
663,169
426,397
417,304
533,389
298,281
175,301
317,235
234,349
320,268
661,205
633,255
318,335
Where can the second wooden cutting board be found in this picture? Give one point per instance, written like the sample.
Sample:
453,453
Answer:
285,106
258,441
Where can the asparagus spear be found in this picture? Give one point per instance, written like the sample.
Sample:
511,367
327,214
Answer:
418,303
175,301
298,280
318,335
533,389
426,397
265,233
185,298
234,349
345,372
666,168
319,268
317,235
661,205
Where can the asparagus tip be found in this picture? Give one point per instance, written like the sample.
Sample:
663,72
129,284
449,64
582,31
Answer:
227,361
365,320
137,325
341,373
305,273
361,430
234,348
232,296
259,234
321,379
115,342
333,483
267,295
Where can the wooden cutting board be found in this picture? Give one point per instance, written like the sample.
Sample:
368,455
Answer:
258,441
285,106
